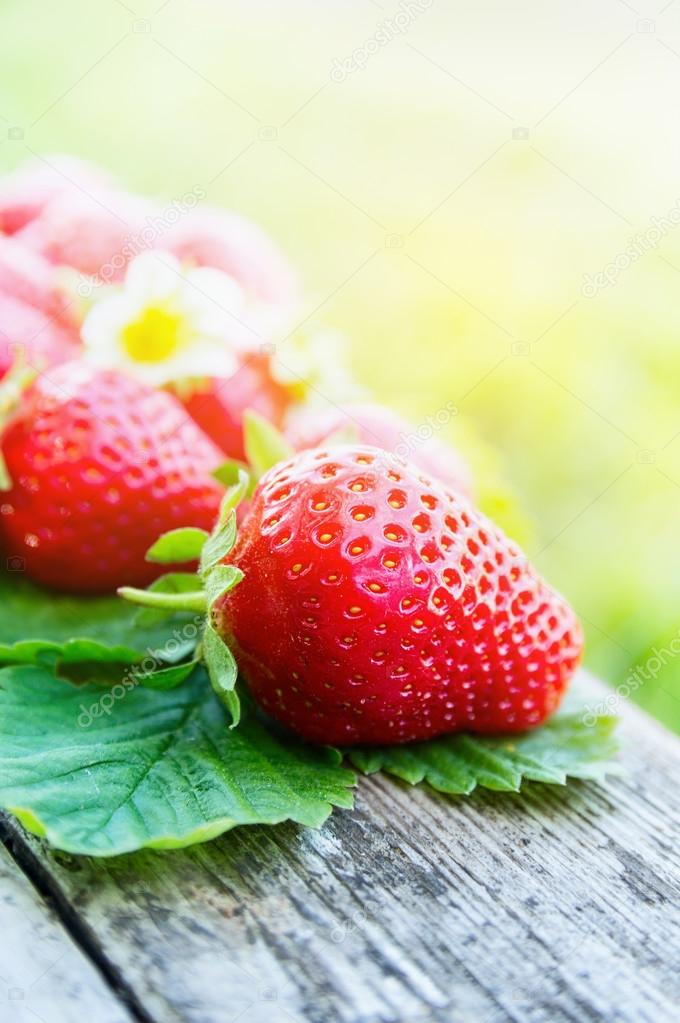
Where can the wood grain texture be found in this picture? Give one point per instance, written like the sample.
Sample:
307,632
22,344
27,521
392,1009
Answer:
557,906
44,977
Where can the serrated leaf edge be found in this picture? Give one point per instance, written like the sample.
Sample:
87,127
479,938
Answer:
368,761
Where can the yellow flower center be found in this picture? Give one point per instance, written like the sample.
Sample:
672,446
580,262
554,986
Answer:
155,336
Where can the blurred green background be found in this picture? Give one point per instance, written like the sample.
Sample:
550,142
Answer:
444,176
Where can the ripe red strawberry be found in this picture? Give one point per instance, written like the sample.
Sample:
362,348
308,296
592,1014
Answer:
100,465
377,606
382,428
218,405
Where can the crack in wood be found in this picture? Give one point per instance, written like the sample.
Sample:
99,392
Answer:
47,885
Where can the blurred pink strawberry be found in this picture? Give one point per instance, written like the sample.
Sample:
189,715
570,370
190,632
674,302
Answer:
73,214
97,233
228,242
25,193
64,213
41,338
27,276
383,428
34,312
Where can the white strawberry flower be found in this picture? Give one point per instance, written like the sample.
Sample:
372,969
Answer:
167,323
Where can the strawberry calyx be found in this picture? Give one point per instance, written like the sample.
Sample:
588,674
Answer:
264,445
197,592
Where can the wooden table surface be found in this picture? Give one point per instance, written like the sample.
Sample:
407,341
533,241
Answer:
562,904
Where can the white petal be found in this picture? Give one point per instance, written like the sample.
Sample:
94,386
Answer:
203,358
152,277
103,325
218,306
217,286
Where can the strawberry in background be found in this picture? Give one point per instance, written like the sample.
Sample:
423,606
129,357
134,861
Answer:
218,406
75,215
89,231
37,318
273,381
103,229
96,465
188,302
381,427
195,311
25,194
219,238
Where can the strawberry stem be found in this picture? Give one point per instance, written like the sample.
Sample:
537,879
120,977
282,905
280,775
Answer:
195,600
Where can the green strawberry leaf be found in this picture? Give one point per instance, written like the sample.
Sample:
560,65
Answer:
72,651
178,545
264,445
165,678
565,747
221,579
184,591
222,671
102,775
88,660
238,488
218,544
232,473
36,622
228,472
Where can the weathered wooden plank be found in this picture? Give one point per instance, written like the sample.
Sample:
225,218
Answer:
43,974
558,905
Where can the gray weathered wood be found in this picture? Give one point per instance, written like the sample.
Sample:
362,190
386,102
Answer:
43,975
558,905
